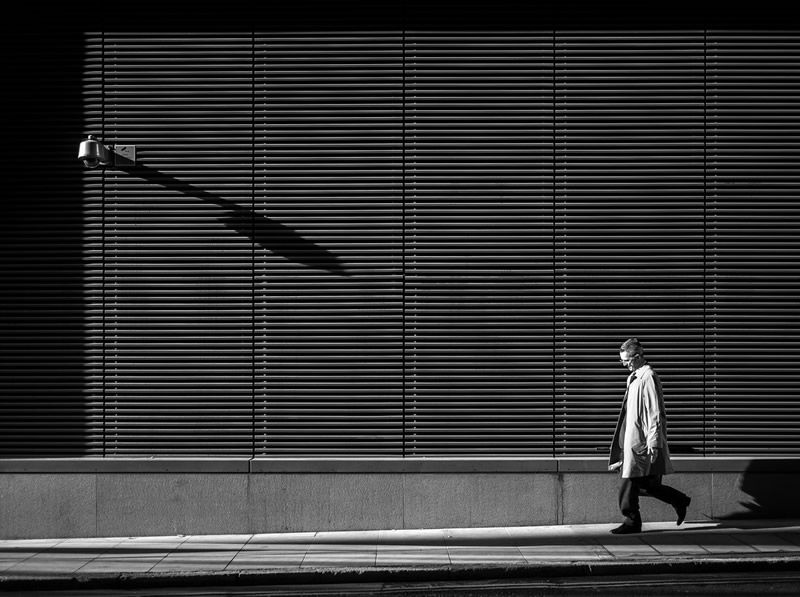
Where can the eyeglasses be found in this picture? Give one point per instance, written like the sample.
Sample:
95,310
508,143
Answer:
630,360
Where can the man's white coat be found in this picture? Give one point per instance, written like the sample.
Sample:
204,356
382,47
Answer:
642,423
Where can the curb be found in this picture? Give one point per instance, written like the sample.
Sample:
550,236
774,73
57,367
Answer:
249,578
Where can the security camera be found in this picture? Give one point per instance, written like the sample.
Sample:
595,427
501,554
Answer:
93,153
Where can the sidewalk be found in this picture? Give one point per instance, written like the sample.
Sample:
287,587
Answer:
397,556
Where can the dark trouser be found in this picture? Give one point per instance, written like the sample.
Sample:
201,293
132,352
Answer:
629,492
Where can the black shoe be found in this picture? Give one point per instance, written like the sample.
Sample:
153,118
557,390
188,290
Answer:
626,529
681,510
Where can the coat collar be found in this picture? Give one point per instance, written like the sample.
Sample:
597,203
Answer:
638,373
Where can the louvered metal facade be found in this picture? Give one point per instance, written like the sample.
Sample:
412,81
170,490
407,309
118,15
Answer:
752,236
413,243
177,259
328,304
478,243
629,225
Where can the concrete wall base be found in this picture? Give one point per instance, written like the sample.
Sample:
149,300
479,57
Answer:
48,505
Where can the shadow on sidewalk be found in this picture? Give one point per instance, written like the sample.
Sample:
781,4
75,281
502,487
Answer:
770,488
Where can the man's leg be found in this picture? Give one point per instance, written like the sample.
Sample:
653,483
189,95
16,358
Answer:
653,486
629,506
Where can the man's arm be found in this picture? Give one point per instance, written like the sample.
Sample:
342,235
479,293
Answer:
652,412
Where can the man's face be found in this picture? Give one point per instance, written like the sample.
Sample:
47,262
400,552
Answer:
630,361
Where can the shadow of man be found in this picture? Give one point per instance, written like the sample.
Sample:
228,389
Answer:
771,486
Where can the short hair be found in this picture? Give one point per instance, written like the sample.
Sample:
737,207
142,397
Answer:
632,346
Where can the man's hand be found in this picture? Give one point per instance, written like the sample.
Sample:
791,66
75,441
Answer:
652,451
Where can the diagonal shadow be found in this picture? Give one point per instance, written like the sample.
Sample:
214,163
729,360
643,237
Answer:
271,235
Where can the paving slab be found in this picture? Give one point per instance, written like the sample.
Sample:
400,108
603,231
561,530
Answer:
267,560
339,558
491,555
767,542
412,556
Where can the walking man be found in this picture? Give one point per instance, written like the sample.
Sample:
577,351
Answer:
640,451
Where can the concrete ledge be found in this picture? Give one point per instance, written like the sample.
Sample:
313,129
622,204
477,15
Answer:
694,464
125,465
683,464
404,465
737,464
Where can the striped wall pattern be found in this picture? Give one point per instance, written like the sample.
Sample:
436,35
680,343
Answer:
416,243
